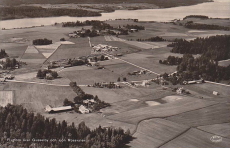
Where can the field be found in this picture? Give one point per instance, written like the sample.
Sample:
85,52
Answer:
218,129
92,120
87,77
157,117
6,97
117,95
154,132
164,110
35,97
196,139
208,88
215,114
67,51
149,61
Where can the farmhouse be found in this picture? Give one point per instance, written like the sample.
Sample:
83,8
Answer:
83,109
89,101
215,93
49,109
180,90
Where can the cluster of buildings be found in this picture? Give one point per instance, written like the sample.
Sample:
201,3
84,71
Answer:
104,48
140,72
144,83
106,85
81,109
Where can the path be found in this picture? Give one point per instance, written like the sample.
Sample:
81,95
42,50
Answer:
29,82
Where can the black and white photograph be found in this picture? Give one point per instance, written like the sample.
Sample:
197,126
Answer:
114,73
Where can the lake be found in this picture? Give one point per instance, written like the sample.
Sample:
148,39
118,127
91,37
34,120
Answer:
218,8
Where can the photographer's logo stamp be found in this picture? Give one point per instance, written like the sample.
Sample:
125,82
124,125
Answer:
216,139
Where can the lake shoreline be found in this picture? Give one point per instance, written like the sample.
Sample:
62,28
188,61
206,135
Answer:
156,15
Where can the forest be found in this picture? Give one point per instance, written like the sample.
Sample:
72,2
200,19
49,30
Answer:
152,39
20,128
199,26
32,12
97,25
196,16
161,3
214,47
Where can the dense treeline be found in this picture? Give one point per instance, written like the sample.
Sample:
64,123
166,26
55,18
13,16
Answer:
199,26
99,25
196,16
171,60
153,39
9,64
16,123
32,12
3,54
214,47
206,68
191,68
47,74
134,27
161,3
42,42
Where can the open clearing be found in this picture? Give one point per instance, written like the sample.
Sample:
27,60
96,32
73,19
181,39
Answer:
92,120
164,110
196,139
90,76
208,88
35,97
149,61
6,97
215,114
117,95
156,131
67,51
218,129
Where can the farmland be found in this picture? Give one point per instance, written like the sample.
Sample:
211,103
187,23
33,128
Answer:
156,132
164,110
6,97
196,138
215,114
157,115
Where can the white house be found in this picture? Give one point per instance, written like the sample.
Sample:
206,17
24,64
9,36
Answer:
215,93
83,109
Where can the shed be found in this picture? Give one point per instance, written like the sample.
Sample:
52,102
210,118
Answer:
215,93
49,109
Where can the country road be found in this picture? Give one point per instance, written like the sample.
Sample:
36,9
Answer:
29,82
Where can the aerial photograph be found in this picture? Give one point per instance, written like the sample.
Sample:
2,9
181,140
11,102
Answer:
114,73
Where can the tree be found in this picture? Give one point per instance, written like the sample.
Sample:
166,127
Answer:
62,39
54,74
119,79
125,79
39,73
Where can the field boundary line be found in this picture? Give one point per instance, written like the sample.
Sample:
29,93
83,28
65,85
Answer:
211,132
217,83
178,135
51,54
